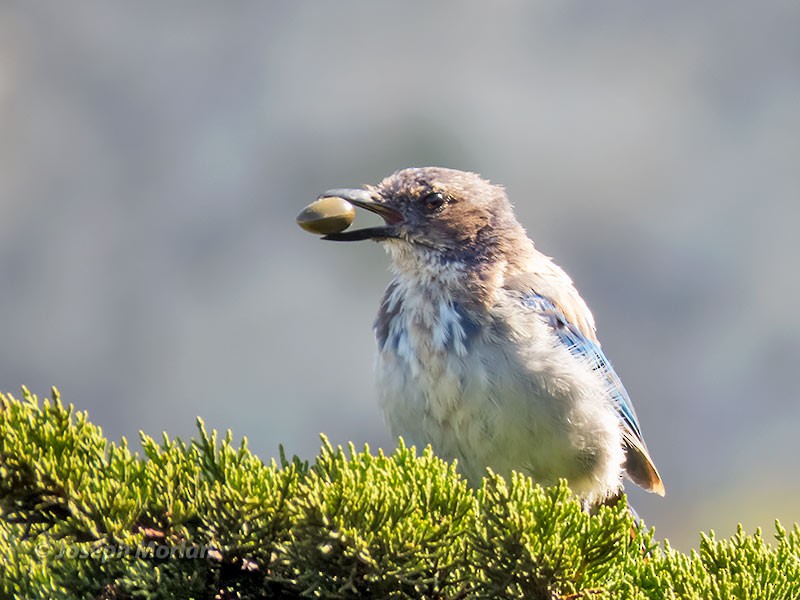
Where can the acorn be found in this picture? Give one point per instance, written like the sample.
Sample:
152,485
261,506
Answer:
327,215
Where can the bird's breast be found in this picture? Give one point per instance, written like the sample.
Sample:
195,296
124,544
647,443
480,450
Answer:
422,325
490,389
444,379
425,338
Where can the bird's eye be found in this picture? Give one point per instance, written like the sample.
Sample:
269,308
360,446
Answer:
434,202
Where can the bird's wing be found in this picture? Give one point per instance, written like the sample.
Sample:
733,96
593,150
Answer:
638,464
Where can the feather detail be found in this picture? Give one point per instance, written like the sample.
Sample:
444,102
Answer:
576,332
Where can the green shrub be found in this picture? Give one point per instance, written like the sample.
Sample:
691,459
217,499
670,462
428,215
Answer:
81,517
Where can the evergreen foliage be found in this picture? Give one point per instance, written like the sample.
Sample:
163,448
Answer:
82,517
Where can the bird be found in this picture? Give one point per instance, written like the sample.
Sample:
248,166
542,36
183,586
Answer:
486,351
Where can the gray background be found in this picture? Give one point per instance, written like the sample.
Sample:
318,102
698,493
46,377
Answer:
153,157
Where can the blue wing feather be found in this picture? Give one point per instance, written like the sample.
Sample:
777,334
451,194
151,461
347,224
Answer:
582,347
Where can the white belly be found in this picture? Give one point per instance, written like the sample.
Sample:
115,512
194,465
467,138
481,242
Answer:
528,407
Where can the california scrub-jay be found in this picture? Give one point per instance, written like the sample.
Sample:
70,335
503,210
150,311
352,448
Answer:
486,350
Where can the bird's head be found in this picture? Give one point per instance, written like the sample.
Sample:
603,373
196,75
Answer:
441,214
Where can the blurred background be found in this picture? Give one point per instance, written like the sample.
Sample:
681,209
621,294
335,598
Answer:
153,158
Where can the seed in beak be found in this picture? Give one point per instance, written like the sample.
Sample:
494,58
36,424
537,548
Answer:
327,215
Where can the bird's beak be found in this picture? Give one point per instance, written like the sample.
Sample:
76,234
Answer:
365,199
